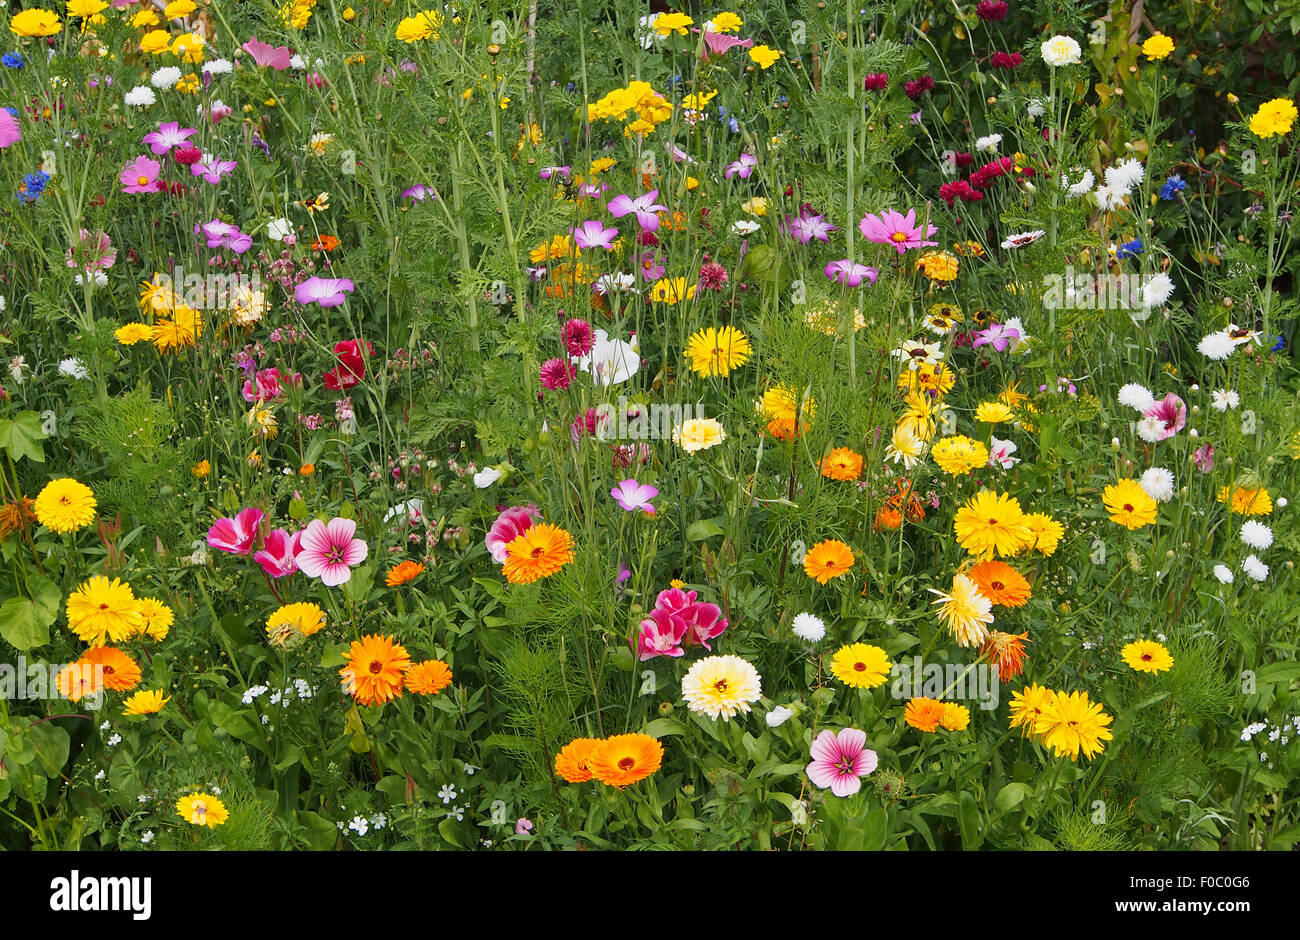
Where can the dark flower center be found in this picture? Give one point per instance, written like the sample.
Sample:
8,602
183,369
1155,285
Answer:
626,763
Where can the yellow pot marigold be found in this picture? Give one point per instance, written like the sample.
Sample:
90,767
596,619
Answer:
827,559
120,672
156,618
1147,656
1128,504
145,703
1157,47
992,524
861,665
424,25
959,454
1000,583
717,351
101,610
65,505
1072,725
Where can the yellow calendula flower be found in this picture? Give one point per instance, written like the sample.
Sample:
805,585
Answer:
715,351
1071,724
101,610
993,412
156,618
666,24
133,333
699,434
861,666
1128,504
1147,656
293,623
959,454
938,265
1046,532
145,703
349,14
1273,117
1157,47
992,524
87,9
423,25
671,290
35,22
764,57
65,505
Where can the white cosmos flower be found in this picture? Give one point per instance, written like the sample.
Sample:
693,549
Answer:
778,716
988,144
1158,483
1256,535
1217,346
1136,396
278,229
1061,50
611,361
1255,568
486,477
808,627
1224,399
745,227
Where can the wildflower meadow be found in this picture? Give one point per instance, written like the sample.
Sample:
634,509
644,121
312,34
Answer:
520,427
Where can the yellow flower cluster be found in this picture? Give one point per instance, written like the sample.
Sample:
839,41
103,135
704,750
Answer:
297,13
1066,722
650,107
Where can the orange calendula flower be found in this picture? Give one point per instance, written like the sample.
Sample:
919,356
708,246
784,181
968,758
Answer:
625,759
573,763
325,243
842,464
537,553
428,678
121,673
924,714
827,559
376,666
954,717
1006,651
1000,583
403,573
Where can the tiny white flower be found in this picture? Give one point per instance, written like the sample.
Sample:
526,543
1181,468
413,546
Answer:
1281,502
808,627
447,793
360,825
1035,108
100,775
1224,399
778,716
456,812
115,739
297,62
1256,535
146,837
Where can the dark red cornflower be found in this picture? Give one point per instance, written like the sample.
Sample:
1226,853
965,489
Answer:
963,159
556,374
647,238
187,155
876,81
577,337
918,86
712,276
1007,60
991,9
958,189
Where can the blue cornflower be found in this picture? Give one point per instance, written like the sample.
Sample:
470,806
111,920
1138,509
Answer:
1172,187
1129,249
1280,344
12,60
32,186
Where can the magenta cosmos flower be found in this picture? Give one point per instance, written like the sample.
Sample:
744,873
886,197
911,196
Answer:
900,231
278,552
850,274
744,167
512,523
1172,414
839,761
643,206
140,176
329,550
10,130
593,234
632,496
169,134
326,291
236,535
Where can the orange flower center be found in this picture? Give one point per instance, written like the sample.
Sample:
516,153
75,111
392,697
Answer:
142,181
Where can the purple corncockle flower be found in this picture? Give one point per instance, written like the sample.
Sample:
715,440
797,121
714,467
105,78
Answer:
220,234
212,169
547,172
632,496
850,274
678,154
326,291
999,336
644,206
169,135
1172,413
806,226
897,230
419,192
593,234
588,190
744,167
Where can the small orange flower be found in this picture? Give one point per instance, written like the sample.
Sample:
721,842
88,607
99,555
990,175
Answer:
573,763
626,758
1006,651
1000,583
375,668
887,517
325,243
306,470
428,678
842,464
828,559
404,573
924,714
121,672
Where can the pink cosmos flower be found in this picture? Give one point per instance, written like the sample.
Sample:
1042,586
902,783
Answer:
744,167
140,176
212,169
839,761
850,274
900,231
265,54
632,496
660,634
719,43
236,535
644,206
593,234
92,252
326,291
10,130
169,135
278,552
511,524
329,550
1171,412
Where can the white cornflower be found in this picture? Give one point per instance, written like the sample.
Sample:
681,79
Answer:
778,716
74,368
1256,535
988,144
1224,399
219,67
1217,346
1157,290
1061,50
1124,175
808,627
165,77
1136,396
1081,188
1158,483
1151,429
1255,568
140,96
1108,199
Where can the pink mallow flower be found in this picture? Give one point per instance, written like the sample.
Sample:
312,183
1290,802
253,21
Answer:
278,553
840,761
329,550
140,176
1172,413
10,130
661,634
900,231
236,535
719,43
511,524
632,496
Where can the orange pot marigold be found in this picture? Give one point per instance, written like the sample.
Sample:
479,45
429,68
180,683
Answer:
1000,583
428,678
625,759
573,763
827,559
374,670
537,553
